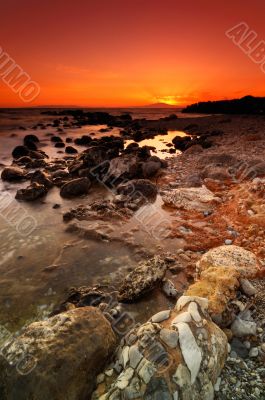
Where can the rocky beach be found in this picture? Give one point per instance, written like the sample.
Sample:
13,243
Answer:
132,255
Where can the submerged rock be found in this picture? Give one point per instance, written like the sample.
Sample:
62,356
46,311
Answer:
32,192
58,358
142,279
181,361
12,174
81,297
75,187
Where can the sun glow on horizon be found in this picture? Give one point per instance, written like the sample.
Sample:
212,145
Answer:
170,100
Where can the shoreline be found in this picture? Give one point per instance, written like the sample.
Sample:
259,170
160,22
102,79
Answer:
207,195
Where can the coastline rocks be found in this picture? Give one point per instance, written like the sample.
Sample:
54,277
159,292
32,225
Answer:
174,361
181,143
83,141
219,271
141,190
218,160
126,167
75,187
142,279
42,178
20,151
150,168
241,328
245,262
169,288
62,357
56,139
81,297
32,192
247,287
31,139
60,177
70,150
218,285
197,199
216,173
12,174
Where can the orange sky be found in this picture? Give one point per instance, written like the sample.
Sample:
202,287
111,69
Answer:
130,52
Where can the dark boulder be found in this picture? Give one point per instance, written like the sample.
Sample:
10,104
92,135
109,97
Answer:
31,138
60,173
181,143
12,174
20,151
93,156
70,150
24,160
38,155
138,136
83,141
42,178
75,187
124,167
32,192
59,145
56,139
150,168
131,147
138,188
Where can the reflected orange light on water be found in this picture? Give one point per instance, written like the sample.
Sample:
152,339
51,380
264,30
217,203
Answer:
160,142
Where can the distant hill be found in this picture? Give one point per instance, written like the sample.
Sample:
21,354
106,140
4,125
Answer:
159,105
245,105
56,106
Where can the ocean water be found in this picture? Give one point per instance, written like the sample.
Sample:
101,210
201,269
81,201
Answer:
12,118
39,265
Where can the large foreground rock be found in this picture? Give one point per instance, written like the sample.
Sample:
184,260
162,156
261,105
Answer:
178,354
65,353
